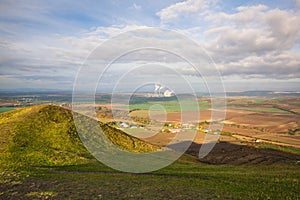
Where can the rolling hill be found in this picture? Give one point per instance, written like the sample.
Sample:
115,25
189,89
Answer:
46,135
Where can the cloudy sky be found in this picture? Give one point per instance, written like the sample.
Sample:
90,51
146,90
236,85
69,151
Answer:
255,44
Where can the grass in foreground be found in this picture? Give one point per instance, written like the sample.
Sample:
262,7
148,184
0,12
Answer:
181,180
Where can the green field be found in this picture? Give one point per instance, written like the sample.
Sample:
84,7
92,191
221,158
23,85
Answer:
258,101
5,109
281,148
261,109
171,106
297,104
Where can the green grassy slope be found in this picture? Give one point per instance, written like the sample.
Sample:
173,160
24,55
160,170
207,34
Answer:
46,135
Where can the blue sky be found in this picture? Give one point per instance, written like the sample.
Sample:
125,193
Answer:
255,44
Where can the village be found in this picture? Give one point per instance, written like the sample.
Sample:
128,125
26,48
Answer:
167,127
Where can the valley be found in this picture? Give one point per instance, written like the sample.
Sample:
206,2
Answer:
257,154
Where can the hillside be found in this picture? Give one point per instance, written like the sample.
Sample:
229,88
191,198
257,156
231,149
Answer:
46,135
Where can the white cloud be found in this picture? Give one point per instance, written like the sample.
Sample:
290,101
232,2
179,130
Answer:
51,57
259,7
280,26
256,41
284,65
248,41
176,10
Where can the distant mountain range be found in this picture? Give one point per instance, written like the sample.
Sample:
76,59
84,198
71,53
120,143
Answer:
229,93
264,93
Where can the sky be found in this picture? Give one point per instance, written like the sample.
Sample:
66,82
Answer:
255,45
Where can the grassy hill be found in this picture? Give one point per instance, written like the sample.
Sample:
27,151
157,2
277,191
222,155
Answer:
46,135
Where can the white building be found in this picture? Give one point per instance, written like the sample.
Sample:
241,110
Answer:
124,125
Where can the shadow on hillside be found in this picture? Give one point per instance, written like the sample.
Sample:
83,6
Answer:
234,154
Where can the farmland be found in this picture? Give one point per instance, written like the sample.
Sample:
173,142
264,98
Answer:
5,109
171,106
43,158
